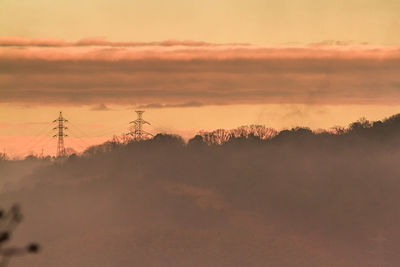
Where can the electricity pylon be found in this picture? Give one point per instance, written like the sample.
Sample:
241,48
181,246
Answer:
60,135
138,131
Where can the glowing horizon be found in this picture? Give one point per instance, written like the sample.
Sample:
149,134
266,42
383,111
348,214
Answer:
29,130
195,65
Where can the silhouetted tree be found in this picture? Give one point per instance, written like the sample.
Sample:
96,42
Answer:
338,130
32,157
196,141
168,139
221,136
3,156
8,222
361,124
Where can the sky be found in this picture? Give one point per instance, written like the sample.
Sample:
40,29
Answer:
262,22
192,65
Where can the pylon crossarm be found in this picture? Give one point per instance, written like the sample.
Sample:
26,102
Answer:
137,130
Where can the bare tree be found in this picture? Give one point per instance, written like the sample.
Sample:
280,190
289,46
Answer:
221,136
262,132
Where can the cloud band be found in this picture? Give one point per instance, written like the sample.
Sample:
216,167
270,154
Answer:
172,73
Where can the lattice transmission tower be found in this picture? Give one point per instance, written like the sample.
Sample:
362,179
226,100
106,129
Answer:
60,127
138,133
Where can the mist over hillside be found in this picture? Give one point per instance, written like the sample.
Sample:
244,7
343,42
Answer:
289,198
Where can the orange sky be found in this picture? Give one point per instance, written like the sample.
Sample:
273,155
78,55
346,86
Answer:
192,65
27,129
264,22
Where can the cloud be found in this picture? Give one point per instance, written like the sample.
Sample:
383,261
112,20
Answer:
183,105
96,41
100,107
54,71
336,43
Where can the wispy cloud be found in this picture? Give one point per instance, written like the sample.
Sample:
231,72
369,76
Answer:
98,41
183,105
337,43
100,107
54,71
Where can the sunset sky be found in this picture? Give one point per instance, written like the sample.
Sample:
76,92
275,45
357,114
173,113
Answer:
192,65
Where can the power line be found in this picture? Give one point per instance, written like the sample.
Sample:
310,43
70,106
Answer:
99,132
37,135
77,143
74,135
39,141
137,132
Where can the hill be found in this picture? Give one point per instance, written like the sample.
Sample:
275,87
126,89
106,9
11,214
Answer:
290,198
